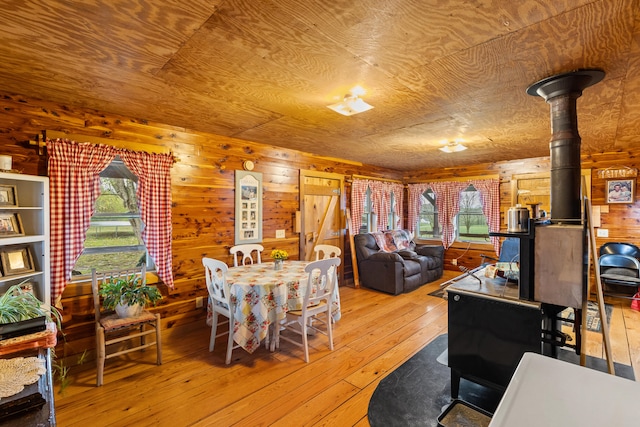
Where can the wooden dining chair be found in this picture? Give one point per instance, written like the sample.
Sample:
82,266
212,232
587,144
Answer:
316,307
326,251
112,331
245,252
219,300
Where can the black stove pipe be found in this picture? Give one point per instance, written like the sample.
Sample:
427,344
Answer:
561,93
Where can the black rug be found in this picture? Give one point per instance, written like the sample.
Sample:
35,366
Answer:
593,316
417,392
438,293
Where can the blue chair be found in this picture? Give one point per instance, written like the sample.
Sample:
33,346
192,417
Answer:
509,252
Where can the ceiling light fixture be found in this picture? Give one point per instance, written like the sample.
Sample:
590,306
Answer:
453,147
350,105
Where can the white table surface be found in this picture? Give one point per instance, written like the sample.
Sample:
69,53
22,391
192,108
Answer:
549,392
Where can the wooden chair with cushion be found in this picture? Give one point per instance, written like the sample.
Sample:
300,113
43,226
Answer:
316,307
215,275
124,335
326,251
245,253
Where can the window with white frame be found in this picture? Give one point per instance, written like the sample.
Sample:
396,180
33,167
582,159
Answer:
114,236
428,225
392,218
367,219
470,222
369,216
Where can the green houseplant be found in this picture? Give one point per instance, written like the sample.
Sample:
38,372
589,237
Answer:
128,295
17,305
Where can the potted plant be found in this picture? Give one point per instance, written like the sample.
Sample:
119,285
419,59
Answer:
128,295
22,312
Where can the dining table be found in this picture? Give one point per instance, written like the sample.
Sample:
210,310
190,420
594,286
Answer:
262,296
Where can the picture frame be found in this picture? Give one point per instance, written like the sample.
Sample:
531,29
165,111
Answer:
16,260
248,198
8,195
10,225
621,190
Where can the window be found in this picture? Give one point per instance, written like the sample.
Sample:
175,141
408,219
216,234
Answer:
471,223
392,218
428,227
114,236
367,214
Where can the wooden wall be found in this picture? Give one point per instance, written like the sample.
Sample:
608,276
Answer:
203,195
622,221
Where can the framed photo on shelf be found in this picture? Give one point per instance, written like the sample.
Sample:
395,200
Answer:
10,225
16,260
621,190
248,207
8,195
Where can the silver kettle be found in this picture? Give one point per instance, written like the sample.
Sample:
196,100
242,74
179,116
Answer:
517,219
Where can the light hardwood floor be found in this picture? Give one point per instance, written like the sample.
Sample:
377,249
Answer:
193,387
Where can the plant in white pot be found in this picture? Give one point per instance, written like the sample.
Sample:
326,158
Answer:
128,295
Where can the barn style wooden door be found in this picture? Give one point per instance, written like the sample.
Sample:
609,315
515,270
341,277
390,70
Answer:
322,210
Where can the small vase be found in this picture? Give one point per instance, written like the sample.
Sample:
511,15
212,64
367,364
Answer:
277,264
124,311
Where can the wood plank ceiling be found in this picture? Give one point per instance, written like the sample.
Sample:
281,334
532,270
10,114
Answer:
265,71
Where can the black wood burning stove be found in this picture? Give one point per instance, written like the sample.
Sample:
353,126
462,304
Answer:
492,323
489,330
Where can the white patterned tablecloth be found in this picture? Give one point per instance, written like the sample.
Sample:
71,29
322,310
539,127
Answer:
262,296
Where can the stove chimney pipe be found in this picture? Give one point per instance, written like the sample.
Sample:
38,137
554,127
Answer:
561,93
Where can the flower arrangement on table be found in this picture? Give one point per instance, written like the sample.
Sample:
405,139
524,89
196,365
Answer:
279,256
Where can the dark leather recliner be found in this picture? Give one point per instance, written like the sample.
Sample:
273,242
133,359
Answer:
398,271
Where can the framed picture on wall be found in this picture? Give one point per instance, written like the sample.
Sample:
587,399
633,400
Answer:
16,260
8,196
10,225
248,225
621,190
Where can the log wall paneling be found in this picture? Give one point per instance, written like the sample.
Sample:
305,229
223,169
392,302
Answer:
202,192
203,199
622,220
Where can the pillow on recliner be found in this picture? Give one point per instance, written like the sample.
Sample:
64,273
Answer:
385,242
408,254
401,238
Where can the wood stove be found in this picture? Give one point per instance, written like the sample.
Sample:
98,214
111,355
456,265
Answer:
492,326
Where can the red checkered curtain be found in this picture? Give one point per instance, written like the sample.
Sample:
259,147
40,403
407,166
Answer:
414,204
380,200
454,190
447,201
490,192
358,198
398,194
154,196
74,184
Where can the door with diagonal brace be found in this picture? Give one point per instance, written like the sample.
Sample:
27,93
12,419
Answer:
322,208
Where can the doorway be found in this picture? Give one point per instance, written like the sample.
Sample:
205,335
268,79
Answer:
322,208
